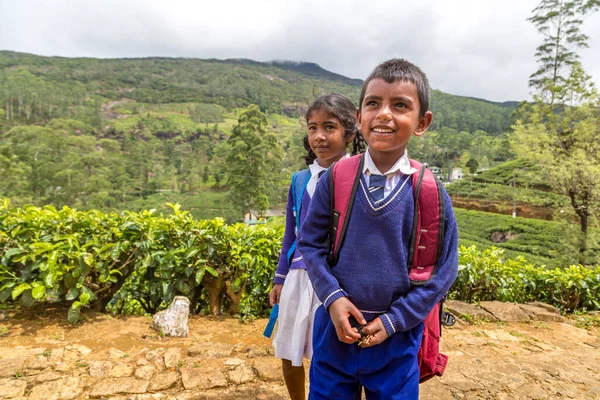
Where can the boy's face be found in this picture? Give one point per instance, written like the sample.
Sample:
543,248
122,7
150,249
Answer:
389,116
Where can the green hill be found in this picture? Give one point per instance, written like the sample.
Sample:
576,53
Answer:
37,88
120,133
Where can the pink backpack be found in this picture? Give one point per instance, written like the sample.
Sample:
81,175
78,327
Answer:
427,234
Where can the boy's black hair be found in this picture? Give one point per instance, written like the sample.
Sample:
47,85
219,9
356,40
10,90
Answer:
395,70
344,110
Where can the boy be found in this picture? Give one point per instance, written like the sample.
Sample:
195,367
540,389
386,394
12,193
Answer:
370,284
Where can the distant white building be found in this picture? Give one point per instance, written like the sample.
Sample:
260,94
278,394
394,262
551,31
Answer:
437,171
254,217
457,174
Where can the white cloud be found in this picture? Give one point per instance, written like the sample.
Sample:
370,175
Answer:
467,47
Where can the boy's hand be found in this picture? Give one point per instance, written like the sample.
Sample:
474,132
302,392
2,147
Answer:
275,294
377,332
340,311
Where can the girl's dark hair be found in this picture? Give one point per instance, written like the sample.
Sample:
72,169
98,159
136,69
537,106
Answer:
344,110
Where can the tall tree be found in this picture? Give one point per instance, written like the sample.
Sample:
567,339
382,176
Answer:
559,21
252,163
561,131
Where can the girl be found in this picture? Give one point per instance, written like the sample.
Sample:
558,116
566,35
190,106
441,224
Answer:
331,124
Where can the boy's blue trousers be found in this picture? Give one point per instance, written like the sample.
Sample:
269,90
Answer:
387,371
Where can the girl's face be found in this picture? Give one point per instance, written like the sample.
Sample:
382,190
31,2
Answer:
326,137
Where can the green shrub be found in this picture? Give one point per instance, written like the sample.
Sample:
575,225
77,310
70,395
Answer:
133,262
137,262
488,275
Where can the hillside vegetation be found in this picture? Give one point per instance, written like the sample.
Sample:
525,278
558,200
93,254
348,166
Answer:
114,134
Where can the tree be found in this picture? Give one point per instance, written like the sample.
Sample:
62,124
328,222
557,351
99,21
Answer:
252,163
472,164
561,132
559,21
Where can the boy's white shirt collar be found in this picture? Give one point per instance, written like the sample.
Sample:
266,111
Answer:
402,165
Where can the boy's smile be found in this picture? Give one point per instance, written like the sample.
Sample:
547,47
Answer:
388,117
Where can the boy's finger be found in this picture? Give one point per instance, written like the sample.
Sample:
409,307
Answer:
357,315
350,335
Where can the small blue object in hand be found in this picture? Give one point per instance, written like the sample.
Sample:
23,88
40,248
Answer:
272,319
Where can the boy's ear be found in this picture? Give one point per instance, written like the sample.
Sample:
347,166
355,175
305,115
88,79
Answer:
424,123
358,119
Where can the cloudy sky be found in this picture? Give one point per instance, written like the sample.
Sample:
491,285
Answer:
468,47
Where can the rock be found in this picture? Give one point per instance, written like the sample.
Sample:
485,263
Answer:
65,366
530,391
64,389
71,355
547,307
164,381
83,350
501,237
498,334
434,390
172,357
506,312
9,366
241,374
46,377
142,361
268,369
115,354
234,362
468,311
35,363
145,372
258,351
100,368
464,385
121,370
156,358
537,313
174,320
10,388
152,354
111,386
211,350
204,377
57,356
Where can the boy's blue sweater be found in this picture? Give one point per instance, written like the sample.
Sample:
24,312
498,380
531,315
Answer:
372,270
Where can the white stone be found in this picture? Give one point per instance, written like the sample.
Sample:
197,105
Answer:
174,320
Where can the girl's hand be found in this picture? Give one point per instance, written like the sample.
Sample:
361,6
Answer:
340,312
377,331
275,294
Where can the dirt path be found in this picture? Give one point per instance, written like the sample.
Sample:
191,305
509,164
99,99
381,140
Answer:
42,357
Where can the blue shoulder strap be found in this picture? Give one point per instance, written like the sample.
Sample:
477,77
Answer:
299,182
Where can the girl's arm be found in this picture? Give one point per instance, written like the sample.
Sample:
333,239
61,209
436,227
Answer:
314,248
288,239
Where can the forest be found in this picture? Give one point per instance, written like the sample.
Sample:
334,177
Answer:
117,134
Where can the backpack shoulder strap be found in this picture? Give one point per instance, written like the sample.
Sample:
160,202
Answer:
299,182
343,183
428,225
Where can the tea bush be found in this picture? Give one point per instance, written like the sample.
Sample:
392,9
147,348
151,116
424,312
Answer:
137,262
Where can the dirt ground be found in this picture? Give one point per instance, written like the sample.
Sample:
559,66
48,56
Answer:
41,355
